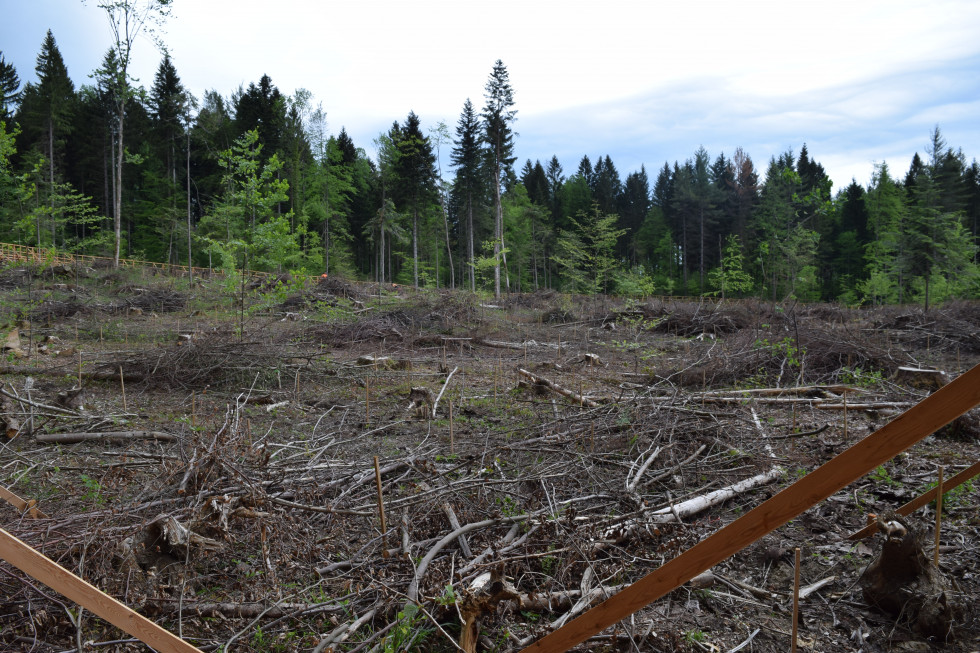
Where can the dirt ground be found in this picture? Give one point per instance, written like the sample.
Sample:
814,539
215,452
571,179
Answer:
540,447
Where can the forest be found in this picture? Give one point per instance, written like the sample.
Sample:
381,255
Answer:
254,180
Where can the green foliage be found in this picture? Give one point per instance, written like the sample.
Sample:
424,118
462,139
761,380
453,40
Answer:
730,277
408,634
785,349
92,490
635,282
881,476
960,495
585,252
861,378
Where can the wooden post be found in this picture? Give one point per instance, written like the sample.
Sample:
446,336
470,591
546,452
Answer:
88,596
796,599
296,387
367,401
845,416
939,514
79,368
122,386
193,409
452,442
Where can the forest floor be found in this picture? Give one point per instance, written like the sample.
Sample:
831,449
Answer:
232,495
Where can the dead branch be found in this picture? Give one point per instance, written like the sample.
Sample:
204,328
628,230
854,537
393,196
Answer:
435,404
117,436
554,387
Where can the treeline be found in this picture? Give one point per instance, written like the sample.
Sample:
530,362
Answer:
255,180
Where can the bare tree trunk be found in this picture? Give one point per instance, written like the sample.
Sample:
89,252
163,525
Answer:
190,269
117,191
469,228
498,228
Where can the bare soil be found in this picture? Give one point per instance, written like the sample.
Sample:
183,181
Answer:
283,397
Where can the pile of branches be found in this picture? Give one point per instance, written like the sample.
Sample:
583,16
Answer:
215,358
954,325
690,319
337,287
52,310
160,300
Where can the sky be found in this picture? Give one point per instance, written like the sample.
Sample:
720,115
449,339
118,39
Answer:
644,82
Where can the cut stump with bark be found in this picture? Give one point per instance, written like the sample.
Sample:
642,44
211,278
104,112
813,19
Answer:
903,582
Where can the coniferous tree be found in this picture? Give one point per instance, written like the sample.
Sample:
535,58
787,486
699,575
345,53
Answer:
48,106
9,83
415,176
634,206
498,116
468,158
262,108
169,104
606,185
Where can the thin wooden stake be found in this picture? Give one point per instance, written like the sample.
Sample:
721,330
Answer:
794,418
796,598
381,506
559,346
845,416
367,401
939,514
296,391
122,386
452,441
591,436
193,410
79,368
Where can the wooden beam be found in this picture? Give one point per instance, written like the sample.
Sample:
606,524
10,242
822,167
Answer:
932,413
922,500
90,597
20,504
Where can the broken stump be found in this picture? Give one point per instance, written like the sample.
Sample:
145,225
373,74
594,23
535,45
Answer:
903,582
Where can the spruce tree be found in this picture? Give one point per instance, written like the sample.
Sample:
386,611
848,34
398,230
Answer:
468,158
416,178
498,116
9,83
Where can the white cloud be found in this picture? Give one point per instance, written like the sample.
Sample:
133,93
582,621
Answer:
644,82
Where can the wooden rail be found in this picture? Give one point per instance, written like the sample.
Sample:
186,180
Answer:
932,413
922,499
90,597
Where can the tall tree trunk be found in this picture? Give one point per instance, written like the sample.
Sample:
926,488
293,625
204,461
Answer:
415,244
449,247
469,228
190,268
498,226
117,191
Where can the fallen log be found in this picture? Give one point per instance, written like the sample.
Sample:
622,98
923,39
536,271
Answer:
116,436
692,506
554,387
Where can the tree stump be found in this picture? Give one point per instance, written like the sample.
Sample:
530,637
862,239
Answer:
904,583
